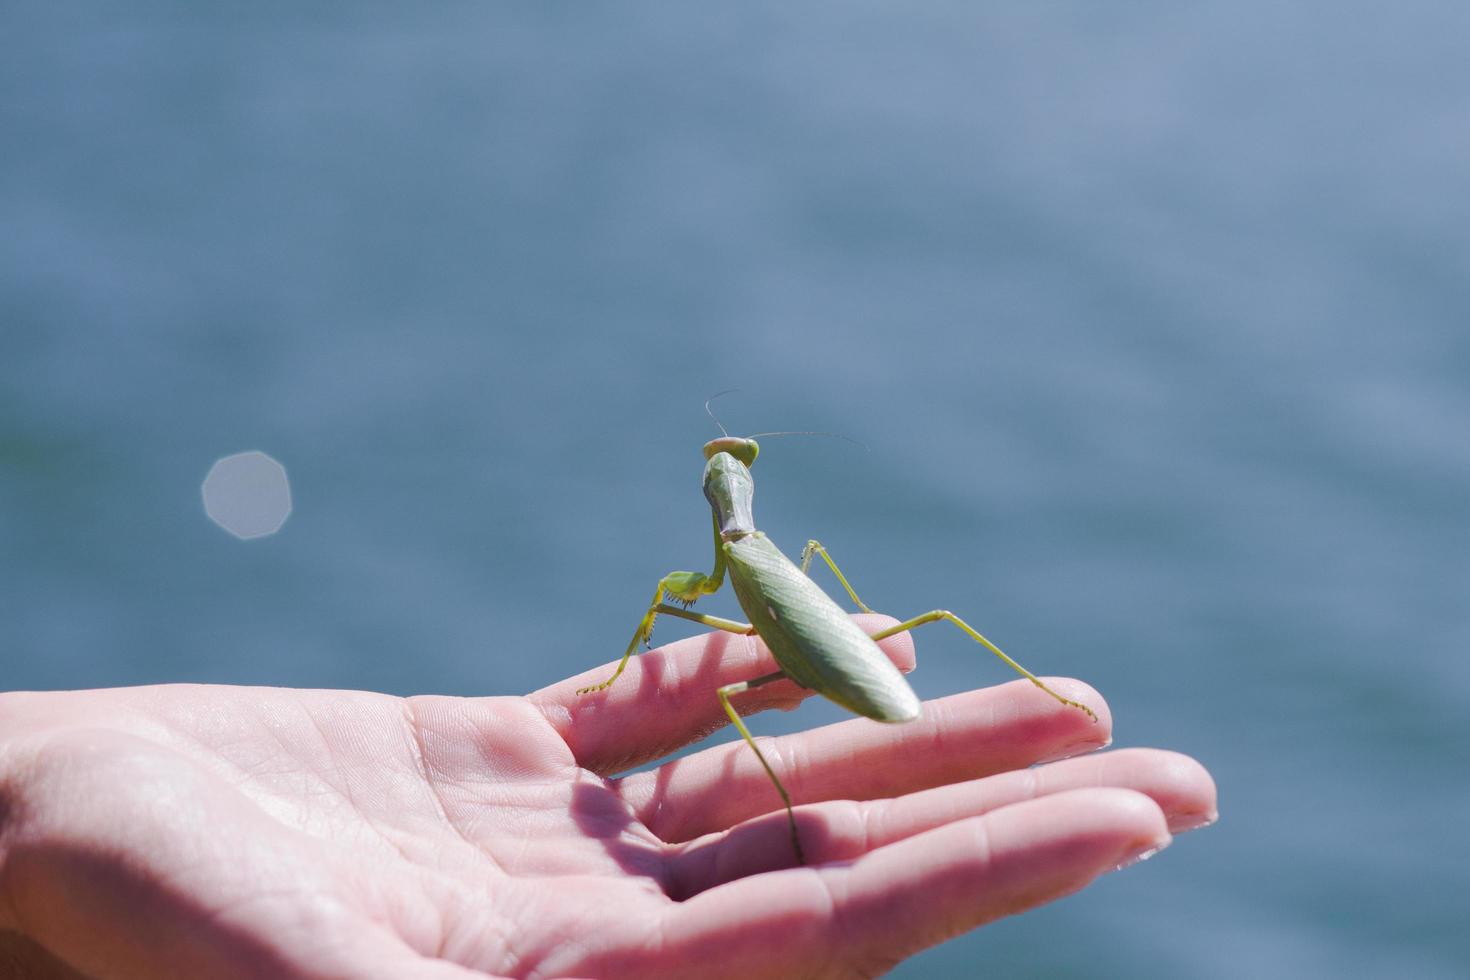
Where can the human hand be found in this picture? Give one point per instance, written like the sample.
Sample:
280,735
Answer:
259,832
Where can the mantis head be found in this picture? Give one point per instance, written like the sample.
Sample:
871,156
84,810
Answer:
744,450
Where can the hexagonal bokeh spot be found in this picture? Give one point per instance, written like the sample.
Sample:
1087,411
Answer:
247,494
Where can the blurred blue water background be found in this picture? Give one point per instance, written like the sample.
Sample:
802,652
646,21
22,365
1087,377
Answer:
1155,316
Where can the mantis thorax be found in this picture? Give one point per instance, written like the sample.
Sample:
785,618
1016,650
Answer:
730,489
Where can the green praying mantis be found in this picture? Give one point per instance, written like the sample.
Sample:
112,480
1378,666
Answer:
815,643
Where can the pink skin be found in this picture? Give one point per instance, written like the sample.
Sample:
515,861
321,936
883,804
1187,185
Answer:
260,832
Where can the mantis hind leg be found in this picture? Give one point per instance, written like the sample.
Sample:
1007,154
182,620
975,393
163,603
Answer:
815,547
740,688
943,614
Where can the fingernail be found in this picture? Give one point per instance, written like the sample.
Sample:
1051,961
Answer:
1185,822
1143,853
1075,749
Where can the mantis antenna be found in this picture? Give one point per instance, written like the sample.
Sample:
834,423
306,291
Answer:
834,435
708,411
761,435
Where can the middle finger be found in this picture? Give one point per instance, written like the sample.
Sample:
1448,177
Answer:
957,738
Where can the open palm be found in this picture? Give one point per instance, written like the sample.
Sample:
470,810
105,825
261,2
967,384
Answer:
261,832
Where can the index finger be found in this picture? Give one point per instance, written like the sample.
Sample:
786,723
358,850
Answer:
665,699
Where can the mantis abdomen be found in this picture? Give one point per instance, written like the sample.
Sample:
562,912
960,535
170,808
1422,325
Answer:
813,640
